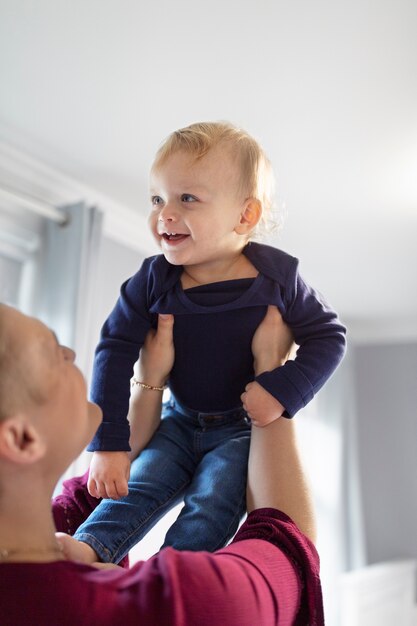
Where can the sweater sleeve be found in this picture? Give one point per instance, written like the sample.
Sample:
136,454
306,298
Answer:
321,339
122,337
268,575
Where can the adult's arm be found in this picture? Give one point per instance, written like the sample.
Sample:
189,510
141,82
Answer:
153,368
275,474
269,574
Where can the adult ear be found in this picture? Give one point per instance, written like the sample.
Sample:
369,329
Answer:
249,217
20,442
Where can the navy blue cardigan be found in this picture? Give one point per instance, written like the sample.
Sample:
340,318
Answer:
213,330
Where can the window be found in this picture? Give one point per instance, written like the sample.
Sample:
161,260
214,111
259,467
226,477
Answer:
20,258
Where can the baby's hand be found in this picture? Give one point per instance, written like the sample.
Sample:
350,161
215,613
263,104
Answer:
109,473
261,407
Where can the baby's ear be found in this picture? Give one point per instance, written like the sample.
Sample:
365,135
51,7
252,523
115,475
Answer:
249,217
20,441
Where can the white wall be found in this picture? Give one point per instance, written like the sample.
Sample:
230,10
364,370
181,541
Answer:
385,380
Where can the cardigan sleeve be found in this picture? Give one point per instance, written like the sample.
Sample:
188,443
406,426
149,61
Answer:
121,339
322,344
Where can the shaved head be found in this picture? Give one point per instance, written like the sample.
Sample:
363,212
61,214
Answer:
26,349
45,417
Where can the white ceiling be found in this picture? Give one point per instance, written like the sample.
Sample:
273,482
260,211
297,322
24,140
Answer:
329,88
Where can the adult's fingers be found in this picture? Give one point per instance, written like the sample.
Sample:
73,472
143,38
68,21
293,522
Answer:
165,326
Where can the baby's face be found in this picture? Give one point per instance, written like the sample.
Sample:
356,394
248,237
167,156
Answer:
196,207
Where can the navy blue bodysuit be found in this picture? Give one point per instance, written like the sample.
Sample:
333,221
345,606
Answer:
213,330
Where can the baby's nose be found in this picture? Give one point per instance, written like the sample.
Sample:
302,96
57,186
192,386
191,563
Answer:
167,214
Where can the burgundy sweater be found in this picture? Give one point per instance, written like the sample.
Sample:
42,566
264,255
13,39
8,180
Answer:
268,575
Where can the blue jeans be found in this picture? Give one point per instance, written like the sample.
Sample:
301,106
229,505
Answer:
196,457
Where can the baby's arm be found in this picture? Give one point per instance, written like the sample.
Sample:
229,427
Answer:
271,346
109,471
155,363
322,343
122,336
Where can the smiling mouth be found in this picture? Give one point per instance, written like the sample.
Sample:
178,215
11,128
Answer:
174,237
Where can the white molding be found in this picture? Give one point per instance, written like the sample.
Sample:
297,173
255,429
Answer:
28,176
20,200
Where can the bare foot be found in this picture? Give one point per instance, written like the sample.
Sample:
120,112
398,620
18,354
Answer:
76,550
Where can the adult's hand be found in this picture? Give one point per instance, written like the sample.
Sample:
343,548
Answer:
157,354
271,347
272,342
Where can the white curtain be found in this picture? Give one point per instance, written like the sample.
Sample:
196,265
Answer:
70,264
67,295
49,270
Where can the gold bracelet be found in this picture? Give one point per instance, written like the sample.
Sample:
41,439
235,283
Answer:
134,381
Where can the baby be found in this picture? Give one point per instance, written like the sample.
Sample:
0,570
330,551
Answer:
210,188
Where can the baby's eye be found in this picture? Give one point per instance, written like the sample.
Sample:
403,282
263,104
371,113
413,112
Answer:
156,200
186,197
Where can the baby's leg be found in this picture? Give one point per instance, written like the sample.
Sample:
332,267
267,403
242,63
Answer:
158,479
70,509
215,501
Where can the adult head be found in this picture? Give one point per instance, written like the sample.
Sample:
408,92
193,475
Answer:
45,418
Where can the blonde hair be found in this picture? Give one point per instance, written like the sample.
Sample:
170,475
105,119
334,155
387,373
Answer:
256,175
